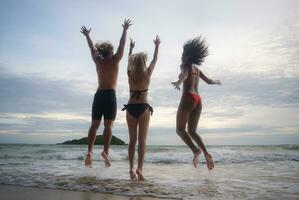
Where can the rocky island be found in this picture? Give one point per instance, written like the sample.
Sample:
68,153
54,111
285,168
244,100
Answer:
99,141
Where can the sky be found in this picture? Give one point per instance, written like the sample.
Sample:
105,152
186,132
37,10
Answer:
48,78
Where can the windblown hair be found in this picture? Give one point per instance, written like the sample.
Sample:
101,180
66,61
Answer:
196,50
104,49
137,65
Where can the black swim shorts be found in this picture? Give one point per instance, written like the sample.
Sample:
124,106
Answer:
104,103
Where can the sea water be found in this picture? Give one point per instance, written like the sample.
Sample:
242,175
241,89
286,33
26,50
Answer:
241,172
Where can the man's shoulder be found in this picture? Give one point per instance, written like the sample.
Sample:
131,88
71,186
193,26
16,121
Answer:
97,61
116,58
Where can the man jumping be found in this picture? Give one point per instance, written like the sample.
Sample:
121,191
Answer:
104,103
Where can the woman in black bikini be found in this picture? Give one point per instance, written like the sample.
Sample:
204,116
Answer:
190,106
138,109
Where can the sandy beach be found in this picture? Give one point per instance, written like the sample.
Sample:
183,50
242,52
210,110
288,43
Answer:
9,192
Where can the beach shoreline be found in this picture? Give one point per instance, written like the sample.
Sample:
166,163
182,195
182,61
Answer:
241,172
12,192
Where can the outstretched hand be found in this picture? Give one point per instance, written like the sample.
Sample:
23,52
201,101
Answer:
85,31
176,85
126,24
132,43
157,40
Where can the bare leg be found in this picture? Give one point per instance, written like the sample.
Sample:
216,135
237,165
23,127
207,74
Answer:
91,138
142,133
132,126
107,134
192,126
183,115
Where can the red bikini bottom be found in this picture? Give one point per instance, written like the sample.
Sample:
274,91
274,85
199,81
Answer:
195,97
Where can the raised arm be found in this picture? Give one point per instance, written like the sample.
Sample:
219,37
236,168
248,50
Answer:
120,50
86,32
182,77
152,65
132,45
208,80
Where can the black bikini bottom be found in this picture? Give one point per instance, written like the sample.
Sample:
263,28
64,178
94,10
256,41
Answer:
137,109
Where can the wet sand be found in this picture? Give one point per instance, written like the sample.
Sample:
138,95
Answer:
9,192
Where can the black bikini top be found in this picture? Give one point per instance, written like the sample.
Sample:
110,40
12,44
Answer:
136,93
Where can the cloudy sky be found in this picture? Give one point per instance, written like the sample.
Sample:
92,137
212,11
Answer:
48,79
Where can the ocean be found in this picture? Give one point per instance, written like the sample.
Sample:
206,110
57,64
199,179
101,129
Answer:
241,172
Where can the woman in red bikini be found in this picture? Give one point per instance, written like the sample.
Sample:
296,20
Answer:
138,109
194,52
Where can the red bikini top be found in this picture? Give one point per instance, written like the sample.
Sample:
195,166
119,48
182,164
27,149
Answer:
197,73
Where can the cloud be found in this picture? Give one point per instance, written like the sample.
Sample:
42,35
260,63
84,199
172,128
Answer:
48,89
271,51
243,105
33,94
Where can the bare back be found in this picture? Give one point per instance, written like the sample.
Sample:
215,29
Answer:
191,83
107,71
140,84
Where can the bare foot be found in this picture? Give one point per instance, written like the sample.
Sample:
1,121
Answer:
106,159
140,176
210,162
88,159
196,157
133,175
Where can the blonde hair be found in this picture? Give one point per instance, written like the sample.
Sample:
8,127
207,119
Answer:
137,64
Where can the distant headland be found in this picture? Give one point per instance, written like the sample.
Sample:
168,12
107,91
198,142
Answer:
99,141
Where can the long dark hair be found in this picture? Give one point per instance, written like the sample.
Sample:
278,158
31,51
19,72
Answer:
196,50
